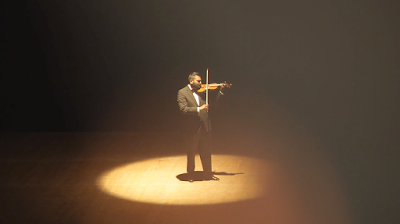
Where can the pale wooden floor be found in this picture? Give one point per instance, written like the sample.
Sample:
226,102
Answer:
54,178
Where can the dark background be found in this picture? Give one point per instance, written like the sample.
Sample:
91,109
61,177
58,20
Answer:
330,67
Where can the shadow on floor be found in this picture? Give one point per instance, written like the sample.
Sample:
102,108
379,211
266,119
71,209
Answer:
199,175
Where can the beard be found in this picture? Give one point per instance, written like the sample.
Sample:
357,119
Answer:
195,87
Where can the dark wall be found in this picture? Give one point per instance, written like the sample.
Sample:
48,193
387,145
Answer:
85,65
332,67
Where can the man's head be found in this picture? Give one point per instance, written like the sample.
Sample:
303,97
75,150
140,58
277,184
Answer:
194,80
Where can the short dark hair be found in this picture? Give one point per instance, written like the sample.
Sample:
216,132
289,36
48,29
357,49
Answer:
192,76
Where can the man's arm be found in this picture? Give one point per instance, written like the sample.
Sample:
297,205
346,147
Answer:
183,105
184,108
219,97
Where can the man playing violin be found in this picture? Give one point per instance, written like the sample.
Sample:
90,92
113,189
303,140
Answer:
196,123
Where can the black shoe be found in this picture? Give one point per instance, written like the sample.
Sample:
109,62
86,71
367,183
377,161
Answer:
190,177
214,178
211,178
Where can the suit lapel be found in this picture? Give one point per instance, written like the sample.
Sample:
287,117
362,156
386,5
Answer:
190,96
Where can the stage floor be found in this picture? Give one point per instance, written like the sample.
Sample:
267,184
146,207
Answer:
139,177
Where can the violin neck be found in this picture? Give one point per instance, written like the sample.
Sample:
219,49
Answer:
216,84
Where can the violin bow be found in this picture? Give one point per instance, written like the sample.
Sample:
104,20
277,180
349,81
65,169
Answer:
207,87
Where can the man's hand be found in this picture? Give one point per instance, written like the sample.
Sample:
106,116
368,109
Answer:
203,107
221,88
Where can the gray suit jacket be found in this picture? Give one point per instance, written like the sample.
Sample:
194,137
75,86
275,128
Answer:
188,107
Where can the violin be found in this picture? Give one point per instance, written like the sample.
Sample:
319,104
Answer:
213,86
209,86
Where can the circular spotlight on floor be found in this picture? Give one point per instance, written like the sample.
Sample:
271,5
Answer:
157,181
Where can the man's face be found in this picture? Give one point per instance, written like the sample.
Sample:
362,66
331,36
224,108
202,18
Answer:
196,83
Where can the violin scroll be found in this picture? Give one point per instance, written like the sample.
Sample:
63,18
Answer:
226,85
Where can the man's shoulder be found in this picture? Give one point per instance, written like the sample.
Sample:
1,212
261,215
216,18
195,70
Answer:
185,88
